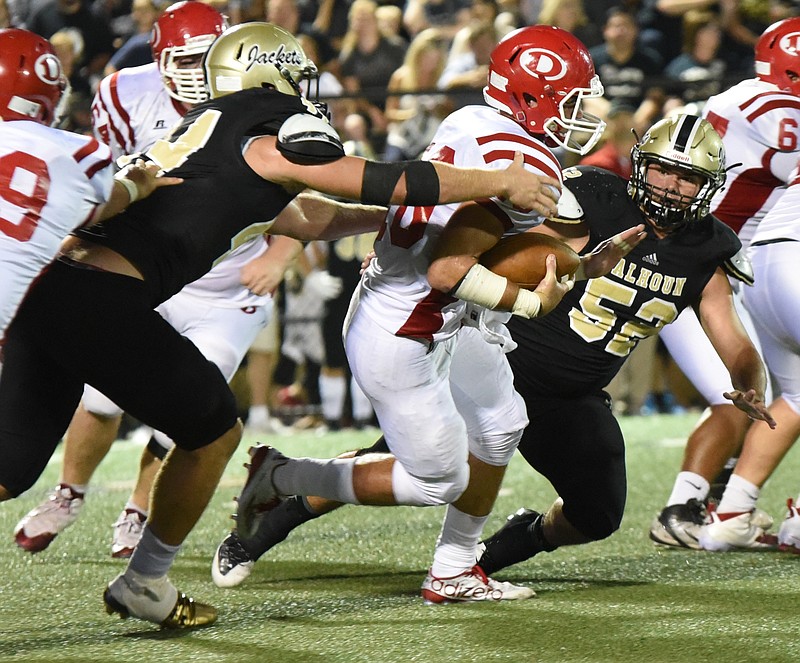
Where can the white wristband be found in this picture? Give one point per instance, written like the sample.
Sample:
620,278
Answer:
527,304
130,187
482,287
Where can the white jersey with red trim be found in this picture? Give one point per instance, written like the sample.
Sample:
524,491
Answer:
394,290
782,221
131,111
760,128
51,182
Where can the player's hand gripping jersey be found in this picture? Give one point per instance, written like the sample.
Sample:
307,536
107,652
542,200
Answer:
394,290
201,149
607,316
132,110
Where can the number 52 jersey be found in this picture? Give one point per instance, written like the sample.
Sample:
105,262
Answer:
51,181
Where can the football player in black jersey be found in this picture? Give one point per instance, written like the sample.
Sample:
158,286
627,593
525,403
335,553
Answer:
565,359
244,156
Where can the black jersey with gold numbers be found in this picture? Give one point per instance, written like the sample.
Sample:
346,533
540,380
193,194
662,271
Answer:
579,346
178,233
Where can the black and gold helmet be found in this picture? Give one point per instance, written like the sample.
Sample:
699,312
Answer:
253,55
682,141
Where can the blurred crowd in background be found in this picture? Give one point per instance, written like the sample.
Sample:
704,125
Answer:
391,71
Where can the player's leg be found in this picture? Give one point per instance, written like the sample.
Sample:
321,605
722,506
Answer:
773,303
717,437
89,437
578,446
482,387
234,559
408,384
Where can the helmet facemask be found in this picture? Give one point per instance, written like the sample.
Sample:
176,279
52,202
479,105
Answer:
689,144
186,84
573,128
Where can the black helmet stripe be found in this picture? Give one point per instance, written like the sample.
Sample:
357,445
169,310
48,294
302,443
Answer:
687,128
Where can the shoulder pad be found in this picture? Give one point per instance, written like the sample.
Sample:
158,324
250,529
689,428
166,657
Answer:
569,209
307,139
739,267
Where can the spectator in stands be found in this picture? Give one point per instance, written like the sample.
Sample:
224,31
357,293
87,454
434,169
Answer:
390,22
481,11
570,15
627,69
614,153
136,50
287,15
661,24
699,71
77,113
449,15
471,69
331,19
55,15
414,118
5,15
368,60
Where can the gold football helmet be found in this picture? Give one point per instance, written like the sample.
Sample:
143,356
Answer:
682,141
254,55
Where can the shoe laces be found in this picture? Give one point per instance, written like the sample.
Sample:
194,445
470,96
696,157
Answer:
133,521
63,497
232,554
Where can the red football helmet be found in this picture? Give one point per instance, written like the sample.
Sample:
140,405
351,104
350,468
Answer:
185,29
539,76
31,79
778,55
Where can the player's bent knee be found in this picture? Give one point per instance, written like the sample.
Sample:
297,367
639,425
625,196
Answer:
596,525
429,491
495,449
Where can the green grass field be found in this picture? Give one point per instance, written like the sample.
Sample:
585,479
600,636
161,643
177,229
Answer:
346,587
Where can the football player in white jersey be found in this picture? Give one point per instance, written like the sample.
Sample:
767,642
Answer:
759,121
443,395
51,181
773,301
244,157
221,312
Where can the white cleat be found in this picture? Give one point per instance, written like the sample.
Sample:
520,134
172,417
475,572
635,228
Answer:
127,532
232,564
736,531
789,533
41,525
470,586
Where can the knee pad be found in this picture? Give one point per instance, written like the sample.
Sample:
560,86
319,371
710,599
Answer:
496,449
426,491
99,405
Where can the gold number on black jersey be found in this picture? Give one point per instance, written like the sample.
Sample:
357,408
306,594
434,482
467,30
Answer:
171,152
593,322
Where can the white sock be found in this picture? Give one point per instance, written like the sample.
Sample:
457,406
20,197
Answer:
152,557
331,478
455,549
362,408
688,485
331,393
258,414
740,495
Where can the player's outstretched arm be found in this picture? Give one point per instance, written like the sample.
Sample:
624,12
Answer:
608,253
420,183
729,338
310,217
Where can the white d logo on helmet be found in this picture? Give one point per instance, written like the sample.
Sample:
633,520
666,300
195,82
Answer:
542,63
790,43
48,69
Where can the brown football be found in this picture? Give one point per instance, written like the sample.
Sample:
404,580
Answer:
521,258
